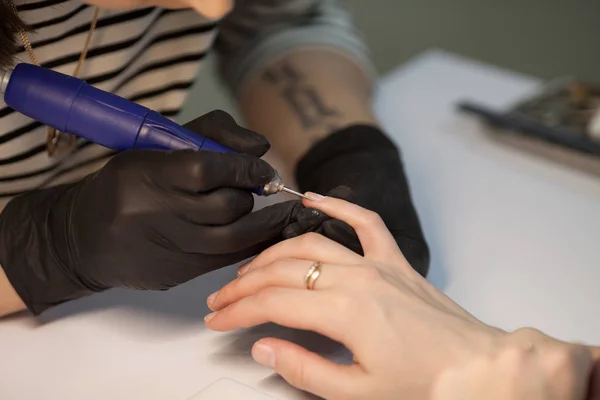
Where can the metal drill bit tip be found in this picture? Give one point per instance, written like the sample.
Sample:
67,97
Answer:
288,190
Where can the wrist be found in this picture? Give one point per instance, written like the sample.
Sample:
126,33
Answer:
10,302
33,235
524,364
333,161
468,375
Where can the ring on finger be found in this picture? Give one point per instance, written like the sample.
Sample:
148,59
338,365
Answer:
312,275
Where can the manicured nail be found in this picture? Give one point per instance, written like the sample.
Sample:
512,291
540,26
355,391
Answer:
243,269
314,196
211,299
209,317
264,355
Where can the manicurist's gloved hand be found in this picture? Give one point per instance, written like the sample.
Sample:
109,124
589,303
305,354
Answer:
361,165
147,220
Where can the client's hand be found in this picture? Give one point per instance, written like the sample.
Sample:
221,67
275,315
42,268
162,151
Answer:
409,340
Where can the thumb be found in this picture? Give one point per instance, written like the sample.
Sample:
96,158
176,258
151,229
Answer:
308,371
221,127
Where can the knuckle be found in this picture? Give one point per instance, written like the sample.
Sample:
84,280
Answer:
266,297
371,218
369,274
181,167
209,121
232,203
258,168
529,335
344,304
198,167
309,240
213,122
219,115
227,292
275,268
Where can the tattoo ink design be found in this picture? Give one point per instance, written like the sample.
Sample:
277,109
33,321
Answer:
303,99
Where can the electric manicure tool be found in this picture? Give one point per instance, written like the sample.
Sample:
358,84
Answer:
74,107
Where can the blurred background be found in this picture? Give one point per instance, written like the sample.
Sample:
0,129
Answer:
543,38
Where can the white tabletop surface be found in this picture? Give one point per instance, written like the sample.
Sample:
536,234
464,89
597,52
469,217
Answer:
514,239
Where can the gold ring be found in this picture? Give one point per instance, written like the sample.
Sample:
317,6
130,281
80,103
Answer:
312,275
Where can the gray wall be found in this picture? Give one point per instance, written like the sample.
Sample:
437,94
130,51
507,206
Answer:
539,37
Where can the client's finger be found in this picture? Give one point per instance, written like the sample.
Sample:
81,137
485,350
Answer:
376,240
308,371
283,273
308,310
311,246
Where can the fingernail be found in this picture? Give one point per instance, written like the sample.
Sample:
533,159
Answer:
264,355
209,317
211,298
243,269
314,196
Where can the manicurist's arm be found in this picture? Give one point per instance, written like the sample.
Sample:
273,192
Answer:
302,76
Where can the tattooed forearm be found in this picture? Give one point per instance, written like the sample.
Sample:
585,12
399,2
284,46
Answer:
302,97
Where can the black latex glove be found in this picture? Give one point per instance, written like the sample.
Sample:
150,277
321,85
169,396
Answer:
361,165
147,220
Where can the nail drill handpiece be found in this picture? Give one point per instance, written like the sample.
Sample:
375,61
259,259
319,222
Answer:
74,107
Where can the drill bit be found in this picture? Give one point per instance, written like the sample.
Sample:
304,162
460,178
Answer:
277,186
288,190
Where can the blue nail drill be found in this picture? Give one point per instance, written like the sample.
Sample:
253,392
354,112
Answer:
74,107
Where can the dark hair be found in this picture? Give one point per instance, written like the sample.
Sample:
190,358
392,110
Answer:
10,24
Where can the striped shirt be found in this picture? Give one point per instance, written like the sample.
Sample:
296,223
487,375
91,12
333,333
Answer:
150,56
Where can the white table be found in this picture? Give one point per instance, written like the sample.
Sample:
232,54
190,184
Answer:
514,239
